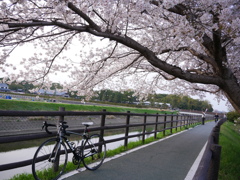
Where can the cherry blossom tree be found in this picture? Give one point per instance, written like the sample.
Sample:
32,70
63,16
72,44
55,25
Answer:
183,46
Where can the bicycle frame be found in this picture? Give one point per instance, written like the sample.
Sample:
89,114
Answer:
63,139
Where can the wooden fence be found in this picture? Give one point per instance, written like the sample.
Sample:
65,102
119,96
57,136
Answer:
167,122
210,162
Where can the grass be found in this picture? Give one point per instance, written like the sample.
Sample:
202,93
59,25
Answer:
230,161
19,105
110,153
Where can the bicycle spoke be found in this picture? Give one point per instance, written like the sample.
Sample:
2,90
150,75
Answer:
94,152
49,160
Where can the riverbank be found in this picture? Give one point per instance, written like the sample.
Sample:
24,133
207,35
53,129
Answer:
22,105
27,125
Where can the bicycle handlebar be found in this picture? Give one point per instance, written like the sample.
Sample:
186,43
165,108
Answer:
46,125
62,124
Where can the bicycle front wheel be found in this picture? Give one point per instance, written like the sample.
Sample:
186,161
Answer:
94,152
50,160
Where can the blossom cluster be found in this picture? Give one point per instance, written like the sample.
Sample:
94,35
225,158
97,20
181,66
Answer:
64,42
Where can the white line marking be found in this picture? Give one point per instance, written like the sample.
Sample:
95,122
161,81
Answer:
195,165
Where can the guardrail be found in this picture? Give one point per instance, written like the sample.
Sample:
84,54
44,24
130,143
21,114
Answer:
209,165
167,122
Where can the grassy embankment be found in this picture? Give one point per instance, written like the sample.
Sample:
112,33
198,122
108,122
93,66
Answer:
230,161
47,106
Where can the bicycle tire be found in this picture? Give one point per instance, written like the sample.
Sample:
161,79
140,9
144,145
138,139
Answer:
44,167
94,154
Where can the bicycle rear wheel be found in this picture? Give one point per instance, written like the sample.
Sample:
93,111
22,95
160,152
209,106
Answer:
50,160
94,152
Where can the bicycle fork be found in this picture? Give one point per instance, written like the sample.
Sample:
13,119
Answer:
55,156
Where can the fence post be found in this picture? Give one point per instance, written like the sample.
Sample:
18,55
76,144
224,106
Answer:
144,127
215,162
188,120
215,134
184,120
102,126
127,129
103,118
56,162
61,118
176,122
181,122
156,127
164,125
171,123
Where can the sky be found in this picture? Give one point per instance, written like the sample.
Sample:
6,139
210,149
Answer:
219,106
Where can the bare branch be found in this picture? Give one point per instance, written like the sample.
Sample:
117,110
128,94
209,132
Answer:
204,90
48,69
167,78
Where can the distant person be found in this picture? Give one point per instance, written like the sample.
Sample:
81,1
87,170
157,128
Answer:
203,118
216,117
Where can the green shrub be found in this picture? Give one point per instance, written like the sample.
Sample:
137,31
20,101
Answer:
232,116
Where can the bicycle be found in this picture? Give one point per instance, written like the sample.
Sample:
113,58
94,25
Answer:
51,157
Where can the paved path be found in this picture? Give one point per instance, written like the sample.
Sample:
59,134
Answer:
170,159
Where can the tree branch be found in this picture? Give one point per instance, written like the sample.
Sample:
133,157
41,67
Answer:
84,16
204,90
155,61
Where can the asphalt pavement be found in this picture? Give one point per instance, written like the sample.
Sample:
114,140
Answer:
168,159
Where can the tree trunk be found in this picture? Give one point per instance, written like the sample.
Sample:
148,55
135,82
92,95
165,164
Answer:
232,90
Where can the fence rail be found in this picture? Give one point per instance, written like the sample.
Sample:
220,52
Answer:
159,122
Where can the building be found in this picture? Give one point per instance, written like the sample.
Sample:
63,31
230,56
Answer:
52,93
4,87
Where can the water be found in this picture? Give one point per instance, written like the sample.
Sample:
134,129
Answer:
28,153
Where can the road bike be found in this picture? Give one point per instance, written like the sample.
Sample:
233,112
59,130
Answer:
51,157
